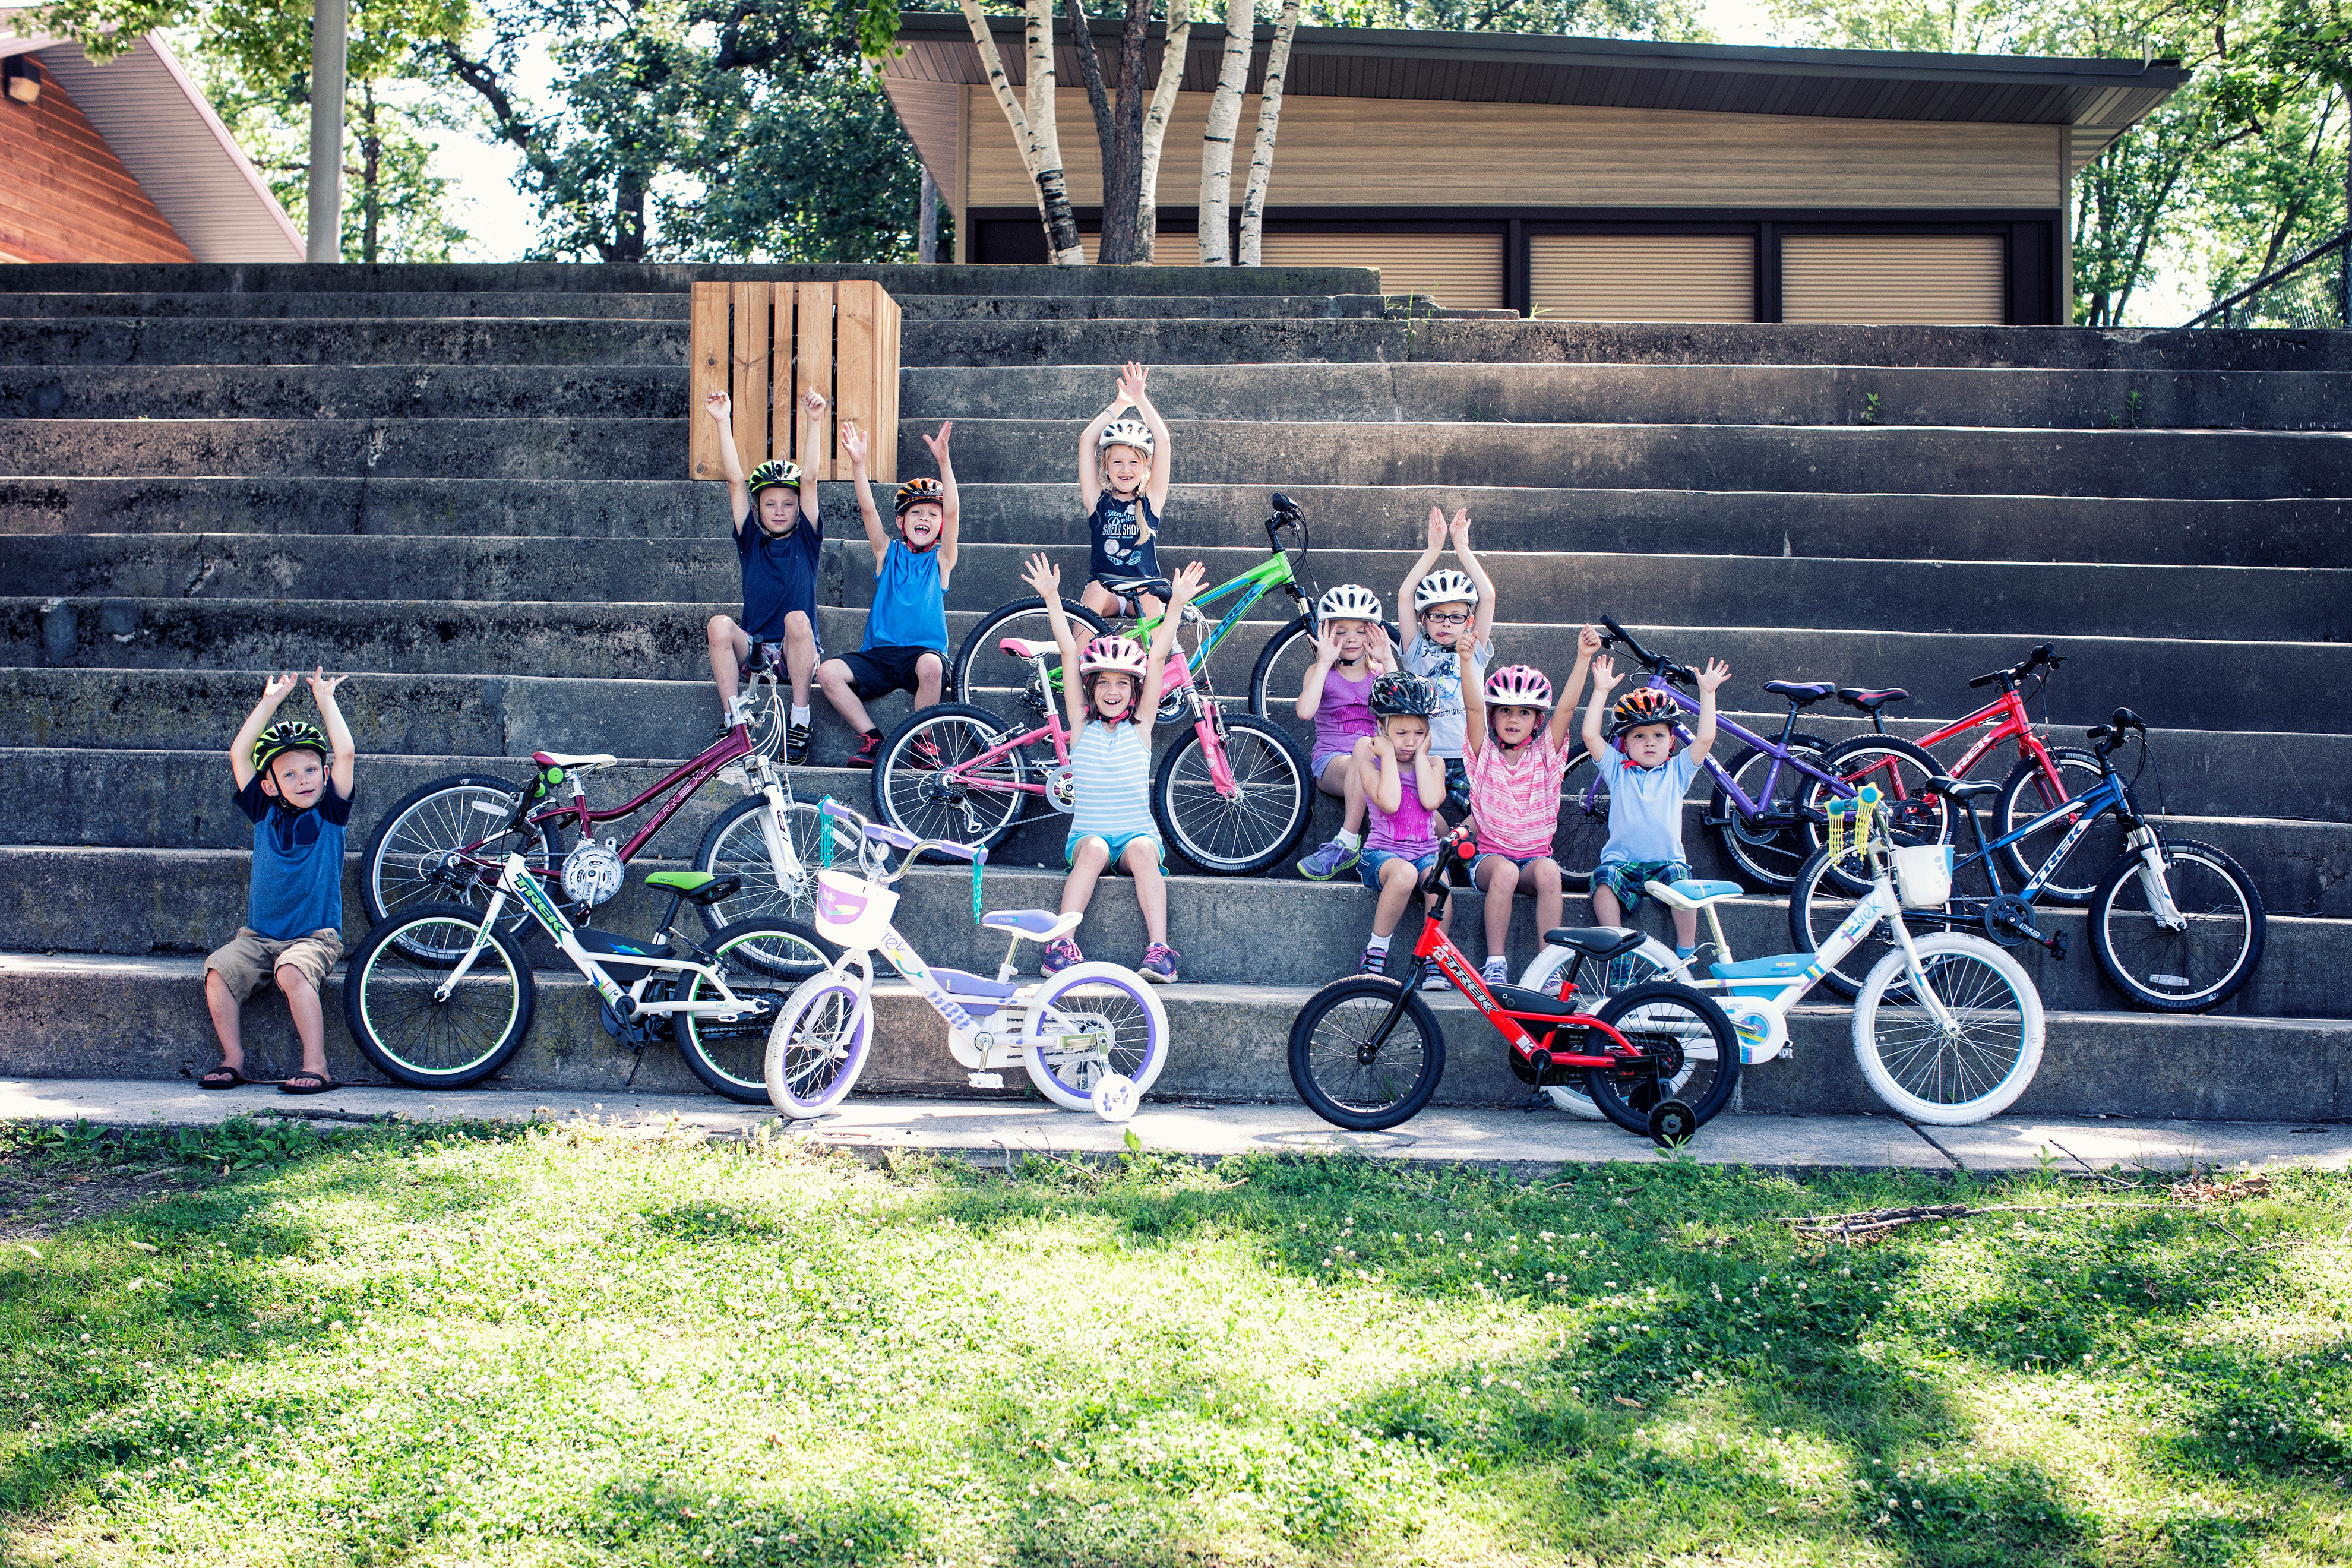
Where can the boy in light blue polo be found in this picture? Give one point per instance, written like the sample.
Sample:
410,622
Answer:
1647,782
906,645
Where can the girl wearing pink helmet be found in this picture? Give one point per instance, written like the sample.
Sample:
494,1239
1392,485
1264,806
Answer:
1110,691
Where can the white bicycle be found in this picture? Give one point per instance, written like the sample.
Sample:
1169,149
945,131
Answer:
1092,1037
1947,1027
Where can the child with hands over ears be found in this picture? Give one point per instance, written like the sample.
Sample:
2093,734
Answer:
1515,761
1403,785
1454,611
1108,689
1123,469
779,542
905,644
1351,651
1646,780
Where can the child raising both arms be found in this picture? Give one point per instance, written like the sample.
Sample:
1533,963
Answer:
1123,467
779,540
1404,783
1115,680
1646,780
1454,611
1351,651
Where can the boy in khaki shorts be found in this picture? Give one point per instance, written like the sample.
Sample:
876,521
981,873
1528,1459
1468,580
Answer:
294,781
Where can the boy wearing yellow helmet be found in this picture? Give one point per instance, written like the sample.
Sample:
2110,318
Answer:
779,540
1647,782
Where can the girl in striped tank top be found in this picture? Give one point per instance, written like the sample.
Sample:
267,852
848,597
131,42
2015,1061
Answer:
1117,682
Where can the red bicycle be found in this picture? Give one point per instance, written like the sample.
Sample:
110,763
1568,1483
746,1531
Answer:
1366,1052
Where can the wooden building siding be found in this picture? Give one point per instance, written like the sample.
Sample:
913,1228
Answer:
1642,278
1881,279
1393,153
65,197
932,112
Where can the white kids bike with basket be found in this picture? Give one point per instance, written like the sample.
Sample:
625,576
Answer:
1092,1037
1947,1027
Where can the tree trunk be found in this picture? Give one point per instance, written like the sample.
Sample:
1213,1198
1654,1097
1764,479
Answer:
1002,85
370,168
1053,194
1217,141
1123,171
927,222
628,218
1269,111
1082,39
1155,129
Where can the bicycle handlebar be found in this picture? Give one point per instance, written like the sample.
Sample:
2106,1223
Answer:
2044,654
888,835
1657,663
2118,727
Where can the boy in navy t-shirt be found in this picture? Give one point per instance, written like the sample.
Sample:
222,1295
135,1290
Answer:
905,644
779,540
294,782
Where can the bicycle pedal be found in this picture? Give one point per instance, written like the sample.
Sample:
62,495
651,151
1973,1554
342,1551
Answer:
984,1079
2057,945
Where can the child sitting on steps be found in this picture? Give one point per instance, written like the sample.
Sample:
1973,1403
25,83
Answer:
1104,691
1351,651
1123,470
1453,611
1647,782
1405,784
905,644
779,542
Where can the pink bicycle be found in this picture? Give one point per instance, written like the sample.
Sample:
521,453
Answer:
1230,793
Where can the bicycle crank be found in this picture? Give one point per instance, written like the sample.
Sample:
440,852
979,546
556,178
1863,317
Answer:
2009,919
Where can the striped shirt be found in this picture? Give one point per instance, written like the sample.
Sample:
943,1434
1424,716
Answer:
1111,773
1516,798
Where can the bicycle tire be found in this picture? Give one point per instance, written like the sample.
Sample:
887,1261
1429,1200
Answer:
437,818
408,1036
2166,972
2020,801
1347,1091
1243,834
1902,1050
1766,857
1117,997
1582,832
908,790
1693,1019
1870,759
732,1059
737,846
1651,961
974,675
819,1046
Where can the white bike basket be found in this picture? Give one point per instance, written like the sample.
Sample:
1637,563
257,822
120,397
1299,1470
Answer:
851,911
1923,875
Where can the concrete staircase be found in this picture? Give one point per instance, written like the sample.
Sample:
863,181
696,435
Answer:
461,482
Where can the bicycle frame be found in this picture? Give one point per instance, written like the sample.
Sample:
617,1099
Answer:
2110,794
1253,585
1748,807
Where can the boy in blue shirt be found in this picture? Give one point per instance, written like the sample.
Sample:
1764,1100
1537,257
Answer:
779,542
906,645
1646,783
294,782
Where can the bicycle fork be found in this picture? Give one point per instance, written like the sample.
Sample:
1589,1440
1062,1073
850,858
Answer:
2144,842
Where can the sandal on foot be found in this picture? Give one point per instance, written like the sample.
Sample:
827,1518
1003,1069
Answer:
308,1083
222,1077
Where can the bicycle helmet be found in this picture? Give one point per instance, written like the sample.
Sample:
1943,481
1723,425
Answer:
1394,695
1132,433
773,472
1113,654
915,492
1448,587
289,735
1646,706
1347,603
1518,685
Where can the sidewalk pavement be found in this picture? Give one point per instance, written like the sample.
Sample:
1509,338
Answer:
1001,1129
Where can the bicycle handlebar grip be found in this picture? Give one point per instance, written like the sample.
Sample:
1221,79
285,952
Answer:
1986,680
1285,509
2124,719
973,853
833,807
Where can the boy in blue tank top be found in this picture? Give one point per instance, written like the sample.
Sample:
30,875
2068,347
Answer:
906,645
1123,469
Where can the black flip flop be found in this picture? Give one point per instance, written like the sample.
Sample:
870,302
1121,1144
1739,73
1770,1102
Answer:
235,1080
308,1083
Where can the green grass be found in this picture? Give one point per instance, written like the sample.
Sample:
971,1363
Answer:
576,1346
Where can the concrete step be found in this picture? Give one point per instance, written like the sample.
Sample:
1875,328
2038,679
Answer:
610,277
426,448
1805,394
445,342
581,304
144,1018
2065,529
142,902
341,391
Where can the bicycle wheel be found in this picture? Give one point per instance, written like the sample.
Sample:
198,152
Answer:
2193,969
2026,794
1583,829
736,846
1339,1074
764,960
1684,1026
1766,854
1088,1022
984,676
944,792
1281,671
425,1040
1547,972
1974,1065
818,1047
1819,904
1239,832
414,857
1901,772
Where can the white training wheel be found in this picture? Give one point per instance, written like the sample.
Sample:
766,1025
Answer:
1115,1097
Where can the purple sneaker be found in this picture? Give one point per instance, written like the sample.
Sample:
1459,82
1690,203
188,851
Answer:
1328,861
1374,961
1159,964
1059,956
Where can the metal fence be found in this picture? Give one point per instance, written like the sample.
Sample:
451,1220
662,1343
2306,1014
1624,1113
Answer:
2314,289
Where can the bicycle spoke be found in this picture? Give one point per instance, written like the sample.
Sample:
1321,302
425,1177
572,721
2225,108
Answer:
1972,1058
1353,1084
1246,824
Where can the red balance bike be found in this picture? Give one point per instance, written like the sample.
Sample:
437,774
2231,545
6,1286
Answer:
1367,1052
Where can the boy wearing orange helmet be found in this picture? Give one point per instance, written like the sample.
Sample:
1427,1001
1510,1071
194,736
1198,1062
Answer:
1646,781
906,645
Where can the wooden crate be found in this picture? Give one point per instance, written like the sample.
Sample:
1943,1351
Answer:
764,345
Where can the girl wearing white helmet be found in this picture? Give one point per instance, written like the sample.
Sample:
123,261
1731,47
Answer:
1123,484
1351,651
1110,691
1453,611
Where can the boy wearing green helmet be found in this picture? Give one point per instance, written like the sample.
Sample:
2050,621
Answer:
294,783
779,540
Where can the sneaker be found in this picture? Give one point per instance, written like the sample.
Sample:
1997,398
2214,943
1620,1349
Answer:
796,745
927,753
1434,979
869,748
1059,956
1328,861
1159,964
1374,961
1495,973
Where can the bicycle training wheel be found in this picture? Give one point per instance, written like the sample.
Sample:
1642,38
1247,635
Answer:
2026,794
445,841
1583,829
2194,968
736,846
929,780
1345,1078
1242,831
764,961
414,1035
1697,1048
1973,1065
1901,772
1769,852
818,1047
1089,1022
984,676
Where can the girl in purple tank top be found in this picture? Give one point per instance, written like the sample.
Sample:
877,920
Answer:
1351,651
1403,785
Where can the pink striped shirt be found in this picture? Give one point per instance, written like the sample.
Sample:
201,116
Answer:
1516,797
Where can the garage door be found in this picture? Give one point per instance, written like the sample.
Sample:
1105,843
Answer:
1937,279
1463,271
1643,277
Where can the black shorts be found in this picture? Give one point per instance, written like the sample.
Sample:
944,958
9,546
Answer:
878,671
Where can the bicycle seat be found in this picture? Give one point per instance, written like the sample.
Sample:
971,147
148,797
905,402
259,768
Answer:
1804,693
566,760
1960,789
1519,999
696,887
1129,587
1022,648
1691,894
1593,942
1033,925
1872,702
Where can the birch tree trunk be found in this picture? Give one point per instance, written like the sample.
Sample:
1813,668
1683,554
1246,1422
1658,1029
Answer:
1155,129
1123,174
1217,142
1269,111
1045,144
